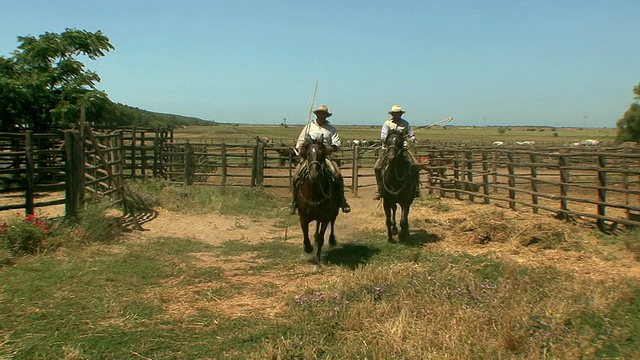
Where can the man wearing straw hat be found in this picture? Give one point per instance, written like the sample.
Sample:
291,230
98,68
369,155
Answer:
396,123
315,128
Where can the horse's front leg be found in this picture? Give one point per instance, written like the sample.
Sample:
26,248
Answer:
404,222
320,230
304,225
332,236
390,216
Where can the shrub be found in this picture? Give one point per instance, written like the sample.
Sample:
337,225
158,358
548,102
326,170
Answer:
22,235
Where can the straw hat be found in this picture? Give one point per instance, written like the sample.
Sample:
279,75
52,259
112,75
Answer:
396,109
322,108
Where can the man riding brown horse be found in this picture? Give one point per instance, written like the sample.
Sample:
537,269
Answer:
397,123
315,129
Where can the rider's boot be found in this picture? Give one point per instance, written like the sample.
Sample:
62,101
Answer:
344,204
378,194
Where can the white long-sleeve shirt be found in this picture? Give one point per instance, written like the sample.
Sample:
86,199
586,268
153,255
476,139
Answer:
401,125
314,130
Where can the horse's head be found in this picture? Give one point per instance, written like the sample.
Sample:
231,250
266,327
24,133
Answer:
394,143
314,152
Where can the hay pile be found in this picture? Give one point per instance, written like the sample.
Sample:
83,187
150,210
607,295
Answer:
478,224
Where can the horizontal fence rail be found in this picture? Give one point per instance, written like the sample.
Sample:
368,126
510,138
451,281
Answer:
66,168
600,183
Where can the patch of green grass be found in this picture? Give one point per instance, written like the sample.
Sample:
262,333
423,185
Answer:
203,199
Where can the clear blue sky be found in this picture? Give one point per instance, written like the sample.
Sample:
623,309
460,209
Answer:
507,62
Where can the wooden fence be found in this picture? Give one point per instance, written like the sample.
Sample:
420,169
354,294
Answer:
68,167
599,183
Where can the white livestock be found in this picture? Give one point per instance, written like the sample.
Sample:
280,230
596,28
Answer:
590,142
528,142
499,143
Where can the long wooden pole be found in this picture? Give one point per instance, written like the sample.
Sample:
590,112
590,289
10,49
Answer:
313,101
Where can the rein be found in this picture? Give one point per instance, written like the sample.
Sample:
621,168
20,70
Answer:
397,177
304,174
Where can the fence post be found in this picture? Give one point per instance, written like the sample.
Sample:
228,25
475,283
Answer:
254,162
143,154
602,190
259,159
354,170
188,160
30,173
485,176
494,170
133,152
120,155
534,182
71,207
468,168
157,150
223,165
456,176
512,180
564,185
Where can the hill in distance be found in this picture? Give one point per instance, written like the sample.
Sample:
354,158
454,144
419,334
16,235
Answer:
125,115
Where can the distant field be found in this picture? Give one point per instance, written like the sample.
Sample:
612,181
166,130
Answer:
544,135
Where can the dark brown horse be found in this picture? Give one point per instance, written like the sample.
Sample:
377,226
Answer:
398,182
317,195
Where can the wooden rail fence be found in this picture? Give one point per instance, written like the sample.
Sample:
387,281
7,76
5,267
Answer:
72,166
599,183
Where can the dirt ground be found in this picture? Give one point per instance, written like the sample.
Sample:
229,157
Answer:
466,227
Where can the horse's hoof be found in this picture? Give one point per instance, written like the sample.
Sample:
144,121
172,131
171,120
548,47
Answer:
317,269
394,231
332,242
308,248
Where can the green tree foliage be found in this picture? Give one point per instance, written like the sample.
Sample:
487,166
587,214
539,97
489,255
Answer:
44,84
123,115
629,124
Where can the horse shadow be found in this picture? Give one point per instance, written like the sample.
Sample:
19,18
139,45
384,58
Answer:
419,238
351,255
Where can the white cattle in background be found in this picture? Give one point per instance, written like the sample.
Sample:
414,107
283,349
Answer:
499,143
528,142
364,142
590,142
355,142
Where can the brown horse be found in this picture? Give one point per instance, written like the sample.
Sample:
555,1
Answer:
398,182
317,195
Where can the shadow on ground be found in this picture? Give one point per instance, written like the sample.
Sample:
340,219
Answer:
351,255
419,238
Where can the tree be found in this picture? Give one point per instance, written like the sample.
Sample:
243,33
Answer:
44,85
629,124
